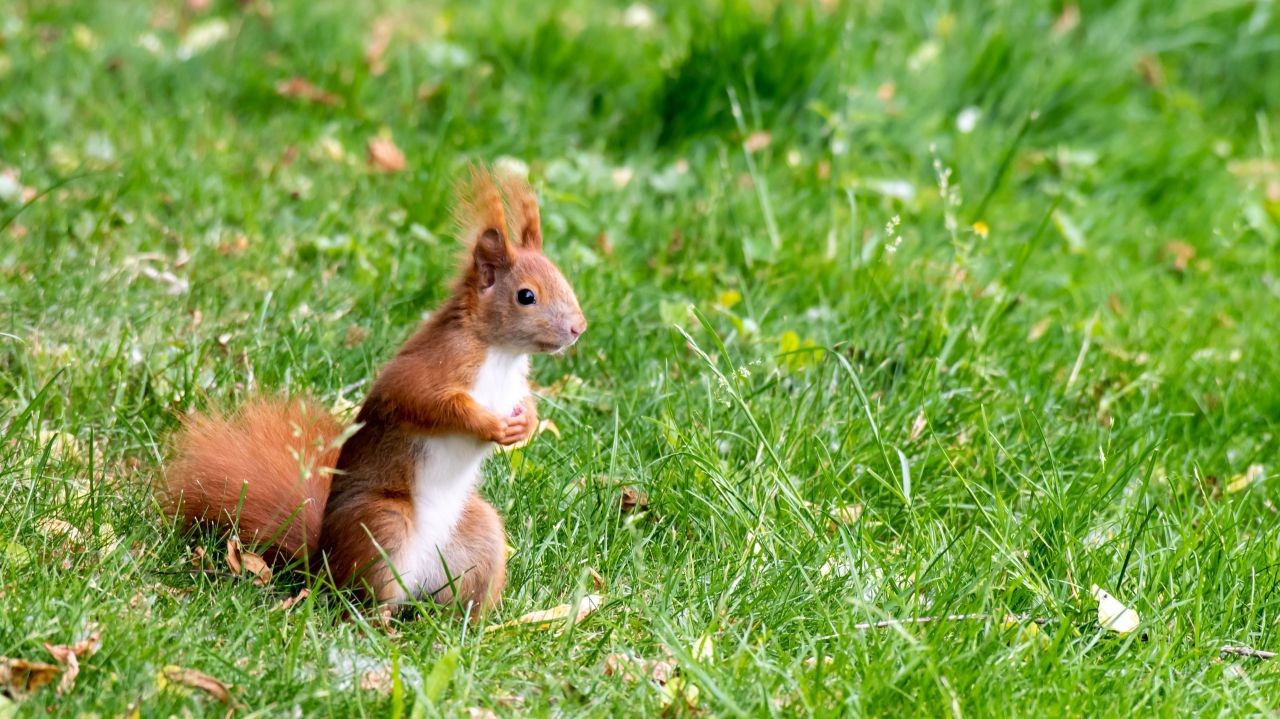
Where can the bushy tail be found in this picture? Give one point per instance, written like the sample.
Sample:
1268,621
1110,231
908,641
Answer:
263,471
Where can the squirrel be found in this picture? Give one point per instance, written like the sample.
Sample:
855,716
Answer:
392,511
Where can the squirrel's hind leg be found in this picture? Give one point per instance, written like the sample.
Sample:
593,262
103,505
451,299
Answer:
476,560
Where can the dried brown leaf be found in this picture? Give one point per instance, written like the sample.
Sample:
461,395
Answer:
234,560
633,669
376,680
1180,254
1151,70
258,567
51,527
294,600
384,156
758,141
376,47
918,426
198,680
1067,20
633,500
597,581
20,678
355,335
299,88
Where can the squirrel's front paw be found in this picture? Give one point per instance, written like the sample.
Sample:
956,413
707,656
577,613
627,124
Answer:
512,430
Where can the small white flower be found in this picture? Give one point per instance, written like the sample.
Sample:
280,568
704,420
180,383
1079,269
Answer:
511,166
968,119
639,16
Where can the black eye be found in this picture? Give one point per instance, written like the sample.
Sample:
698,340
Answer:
526,297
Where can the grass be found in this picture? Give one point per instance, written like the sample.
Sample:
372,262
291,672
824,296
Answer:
1035,353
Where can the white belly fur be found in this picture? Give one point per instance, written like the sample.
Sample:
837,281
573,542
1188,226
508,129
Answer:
447,472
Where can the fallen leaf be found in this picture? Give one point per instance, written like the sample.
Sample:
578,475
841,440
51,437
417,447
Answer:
1067,20
376,46
300,88
634,500
545,618
1151,70
51,527
844,514
597,581
355,335
20,678
679,691
384,156
1029,634
377,680
197,680
633,669
70,662
1039,329
291,602
918,426
202,36
1112,615
14,554
757,141
200,558
1180,254
234,560
258,567
1241,482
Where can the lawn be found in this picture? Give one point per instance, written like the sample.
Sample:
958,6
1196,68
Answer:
899,311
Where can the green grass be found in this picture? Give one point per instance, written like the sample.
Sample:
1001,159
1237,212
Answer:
1020,415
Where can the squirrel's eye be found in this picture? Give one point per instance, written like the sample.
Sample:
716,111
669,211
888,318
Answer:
526,297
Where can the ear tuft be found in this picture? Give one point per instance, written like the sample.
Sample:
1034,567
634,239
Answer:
483,225
523,205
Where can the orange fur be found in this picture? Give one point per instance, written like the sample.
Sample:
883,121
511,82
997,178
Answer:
264,472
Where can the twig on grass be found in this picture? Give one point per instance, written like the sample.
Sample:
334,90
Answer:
1247,652
947,618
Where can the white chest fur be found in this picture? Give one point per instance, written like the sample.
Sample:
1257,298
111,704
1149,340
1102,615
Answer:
447,471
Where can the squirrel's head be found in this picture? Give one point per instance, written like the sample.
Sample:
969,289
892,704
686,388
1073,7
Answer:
519,299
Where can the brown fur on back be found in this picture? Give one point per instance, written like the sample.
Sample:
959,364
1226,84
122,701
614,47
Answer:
263,471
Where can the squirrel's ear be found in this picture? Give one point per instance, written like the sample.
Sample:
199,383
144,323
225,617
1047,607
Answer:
523,205
492,255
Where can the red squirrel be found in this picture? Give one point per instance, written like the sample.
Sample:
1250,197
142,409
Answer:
394,512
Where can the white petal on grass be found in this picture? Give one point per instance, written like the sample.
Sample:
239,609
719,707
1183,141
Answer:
895,189
10,188
508,165
639,16
1112,615
202,37
967,120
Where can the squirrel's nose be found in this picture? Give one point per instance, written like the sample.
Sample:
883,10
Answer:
577,327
